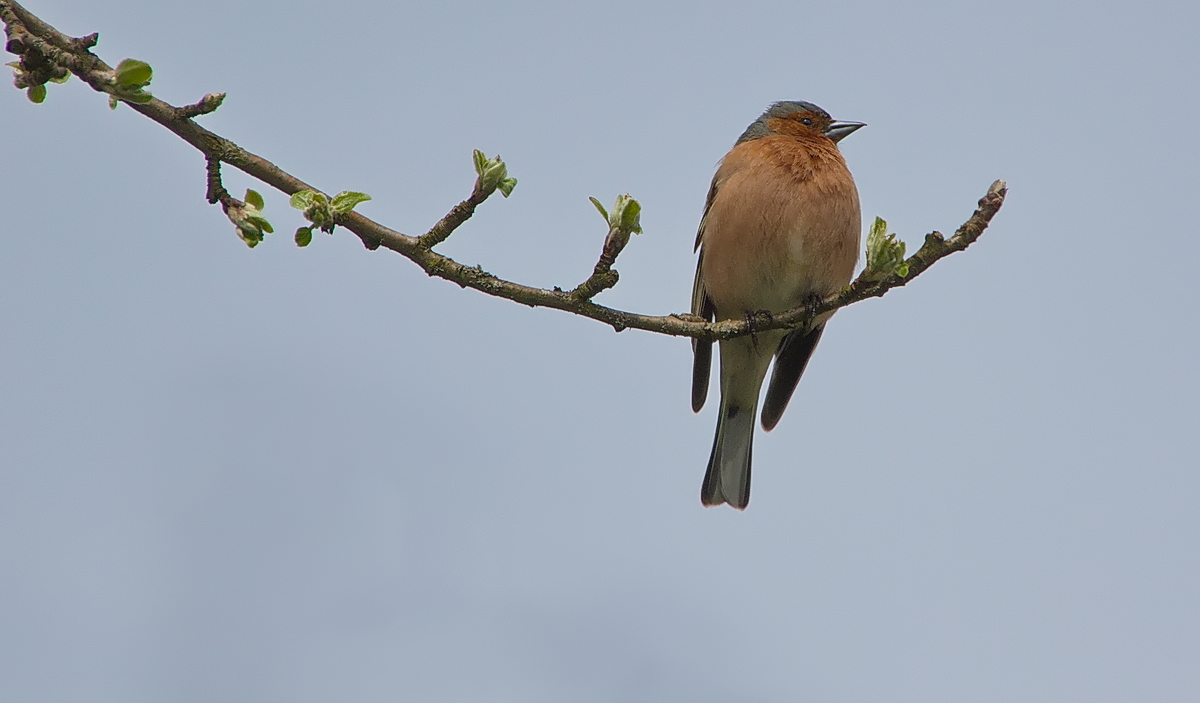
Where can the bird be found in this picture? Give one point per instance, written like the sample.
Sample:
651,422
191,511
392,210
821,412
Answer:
781,227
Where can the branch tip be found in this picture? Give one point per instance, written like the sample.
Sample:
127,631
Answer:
209,103
85,43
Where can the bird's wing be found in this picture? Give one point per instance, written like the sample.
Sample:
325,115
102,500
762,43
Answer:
702,307
701,350
790,360
712,195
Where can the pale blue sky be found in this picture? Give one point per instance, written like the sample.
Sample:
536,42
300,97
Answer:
315,475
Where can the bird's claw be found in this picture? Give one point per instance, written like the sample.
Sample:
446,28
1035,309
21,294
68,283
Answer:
754,319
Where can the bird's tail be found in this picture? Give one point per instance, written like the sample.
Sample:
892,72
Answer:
728,477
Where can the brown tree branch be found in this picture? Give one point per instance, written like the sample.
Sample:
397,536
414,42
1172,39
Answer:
45,53
458,214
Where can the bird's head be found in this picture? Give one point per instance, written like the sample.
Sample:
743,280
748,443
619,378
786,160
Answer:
798,119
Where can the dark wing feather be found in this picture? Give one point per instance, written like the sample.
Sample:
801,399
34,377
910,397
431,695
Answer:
701,350
702,307
794,352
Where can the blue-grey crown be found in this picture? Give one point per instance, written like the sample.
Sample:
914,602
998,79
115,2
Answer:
758,129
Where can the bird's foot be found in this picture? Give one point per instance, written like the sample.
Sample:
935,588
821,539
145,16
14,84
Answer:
756,318
812,301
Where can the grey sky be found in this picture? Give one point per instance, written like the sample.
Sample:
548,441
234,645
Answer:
315,475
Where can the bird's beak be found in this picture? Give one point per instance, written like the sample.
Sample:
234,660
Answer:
837,131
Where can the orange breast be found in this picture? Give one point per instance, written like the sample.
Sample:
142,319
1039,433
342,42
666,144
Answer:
784,224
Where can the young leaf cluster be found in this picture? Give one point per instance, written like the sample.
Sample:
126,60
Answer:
129,83
493,175
248,219
320,210
626,215
623,220
32,73
885,253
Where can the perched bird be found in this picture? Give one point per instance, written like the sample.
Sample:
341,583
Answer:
780,227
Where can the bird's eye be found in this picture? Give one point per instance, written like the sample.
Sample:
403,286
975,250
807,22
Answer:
807,121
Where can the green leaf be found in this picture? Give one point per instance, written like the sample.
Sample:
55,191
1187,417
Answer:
36,93
494,171
137,96
625,215
346,200
254,198
315,206
250,237
603,212
132,73
260,222
885,253
303,199
303,236
878,228
493,175
629,213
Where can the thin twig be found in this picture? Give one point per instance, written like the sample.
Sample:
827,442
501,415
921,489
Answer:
215,192
458,214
